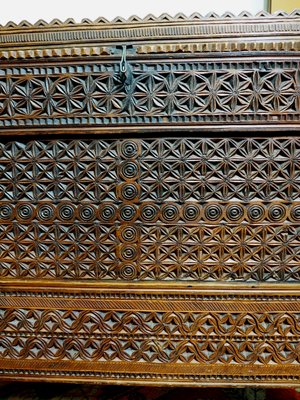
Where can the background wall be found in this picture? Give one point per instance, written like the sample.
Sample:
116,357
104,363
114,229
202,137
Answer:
286,5
33,10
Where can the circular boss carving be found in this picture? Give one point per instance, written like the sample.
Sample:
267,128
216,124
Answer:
129,148
234,212
107,212
86,213
277,212
25,211
128,252
127,212
295,213
149,213
129,170
129,234
213,212
256,212
6,211
66,212
169,212
191,212
129,272
45,212
129,191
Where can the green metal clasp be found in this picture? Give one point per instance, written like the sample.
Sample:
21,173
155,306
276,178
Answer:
123,62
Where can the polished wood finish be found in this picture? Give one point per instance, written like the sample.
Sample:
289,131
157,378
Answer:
149,201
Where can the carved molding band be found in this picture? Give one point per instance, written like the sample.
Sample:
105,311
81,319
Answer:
191,47
213,338
136,33
188,377
162,93
151,28
150,337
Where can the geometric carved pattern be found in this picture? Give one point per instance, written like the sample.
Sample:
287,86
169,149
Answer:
187,333
134,255
129,336
176,92
208,209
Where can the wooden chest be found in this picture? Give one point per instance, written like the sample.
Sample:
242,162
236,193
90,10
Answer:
150,200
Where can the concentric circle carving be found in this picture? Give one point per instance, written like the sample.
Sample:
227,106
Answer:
129,148
256,212
46,212
128,252
129,233
87,213
127,212
66,212
191,212
295,213
128,170
25,211
170,213
107,213
149,213
277,212
6,211
234,212
129,191
129,272
213,212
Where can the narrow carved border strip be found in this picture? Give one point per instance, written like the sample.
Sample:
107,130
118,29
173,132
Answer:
37,40
152,368
232,306
220,46
271,314
156,380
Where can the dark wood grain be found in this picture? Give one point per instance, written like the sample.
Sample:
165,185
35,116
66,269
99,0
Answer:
150,201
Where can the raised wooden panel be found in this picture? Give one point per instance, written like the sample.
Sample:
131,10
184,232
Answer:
196,209
196,92
136,334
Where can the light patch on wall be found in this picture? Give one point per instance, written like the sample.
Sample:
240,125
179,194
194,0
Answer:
285,5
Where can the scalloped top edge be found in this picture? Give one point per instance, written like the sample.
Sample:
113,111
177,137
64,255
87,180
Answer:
151,18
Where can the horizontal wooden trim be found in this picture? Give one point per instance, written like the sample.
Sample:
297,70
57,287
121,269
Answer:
135,29
138,130
145,367
226,288
118,373
209,46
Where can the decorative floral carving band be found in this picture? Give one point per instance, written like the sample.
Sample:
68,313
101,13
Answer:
164,92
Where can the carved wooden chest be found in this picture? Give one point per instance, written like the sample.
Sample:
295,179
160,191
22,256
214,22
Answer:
150,200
